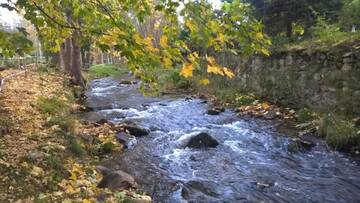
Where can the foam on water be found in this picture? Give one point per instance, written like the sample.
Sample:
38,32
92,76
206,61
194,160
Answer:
249,152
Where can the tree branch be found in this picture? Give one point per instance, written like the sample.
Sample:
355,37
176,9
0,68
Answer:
53,18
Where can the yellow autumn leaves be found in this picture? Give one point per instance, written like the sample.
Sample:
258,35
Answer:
187,70
212,67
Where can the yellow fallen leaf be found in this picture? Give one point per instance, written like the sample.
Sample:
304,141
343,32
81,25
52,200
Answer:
70,189
86,201
265,106
58,193
37,171
73,176
66,201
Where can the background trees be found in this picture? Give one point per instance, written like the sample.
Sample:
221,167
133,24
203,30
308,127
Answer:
14,42
286,17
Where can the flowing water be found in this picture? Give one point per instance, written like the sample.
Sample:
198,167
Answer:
251,164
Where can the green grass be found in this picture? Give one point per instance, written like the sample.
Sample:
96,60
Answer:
107,147
304,115
51,105
339,134
106,70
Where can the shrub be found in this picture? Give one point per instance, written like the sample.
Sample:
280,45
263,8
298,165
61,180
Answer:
339,134
65,122
51,105
76,147
244,100
107,147
177,80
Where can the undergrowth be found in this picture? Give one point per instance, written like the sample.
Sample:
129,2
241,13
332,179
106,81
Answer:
340,134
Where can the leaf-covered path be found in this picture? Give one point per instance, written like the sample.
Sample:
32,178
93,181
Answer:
46,154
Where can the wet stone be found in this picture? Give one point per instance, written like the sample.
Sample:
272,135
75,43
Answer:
126,140
215,110
135,130
202,140
115,180
300,145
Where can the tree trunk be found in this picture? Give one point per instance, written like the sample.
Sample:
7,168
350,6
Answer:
67,55
61,56
76,61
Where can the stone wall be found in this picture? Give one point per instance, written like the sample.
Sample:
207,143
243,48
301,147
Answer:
326,80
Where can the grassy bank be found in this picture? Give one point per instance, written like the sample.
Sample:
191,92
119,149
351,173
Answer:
106,70
46,153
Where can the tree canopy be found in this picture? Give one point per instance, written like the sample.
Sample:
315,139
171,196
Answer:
110,24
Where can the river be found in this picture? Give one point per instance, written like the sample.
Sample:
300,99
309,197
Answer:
252,163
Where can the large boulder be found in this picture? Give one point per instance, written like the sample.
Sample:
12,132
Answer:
115,180
202,140
135,130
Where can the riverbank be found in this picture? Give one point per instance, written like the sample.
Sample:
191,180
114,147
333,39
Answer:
251,160
47,154
341,133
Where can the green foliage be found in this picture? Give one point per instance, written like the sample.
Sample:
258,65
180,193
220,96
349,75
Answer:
328,33
339,134
304,115
106,70
350,15
76,147
12,43
65,122
293,17
51,105
107,147
176,80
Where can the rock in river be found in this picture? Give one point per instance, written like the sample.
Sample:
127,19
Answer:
202,140
300,145
215,110
127,140
115,180
135,130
